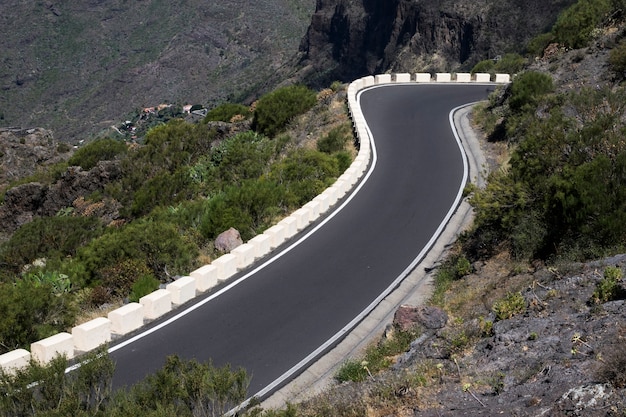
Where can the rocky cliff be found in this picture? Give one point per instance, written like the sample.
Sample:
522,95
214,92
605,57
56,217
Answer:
351,38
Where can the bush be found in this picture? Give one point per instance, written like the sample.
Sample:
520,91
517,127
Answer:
159,244
486,66
31,311
99,150
617,60
276,109
225,112
608,289
48,237
539,43
144,285
511,305
528,88
120,277
575,25
335,140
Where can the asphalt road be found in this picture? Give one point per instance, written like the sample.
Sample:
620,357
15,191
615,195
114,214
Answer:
270,321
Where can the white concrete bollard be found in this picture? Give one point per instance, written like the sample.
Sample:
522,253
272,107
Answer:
182,290
14,360
503,78
463,77
403,78
482,77
314,209
156,303
368,81
126,318
382,79
90,335
277,234
323,201
61,344
244,254
262,245
303,217
423,77
206,277
291,226
226,266
443,77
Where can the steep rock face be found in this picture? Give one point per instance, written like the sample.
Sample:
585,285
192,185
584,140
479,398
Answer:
351,38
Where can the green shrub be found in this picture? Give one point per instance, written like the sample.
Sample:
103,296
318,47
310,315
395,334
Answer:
351,370
336,139
528,88
225,112
48,237
510,64
159,244
537,45
274,110
608,288
575,25
32,311
243,156
122,276
144,285
486,66
304,173
617,60
89,155
511,305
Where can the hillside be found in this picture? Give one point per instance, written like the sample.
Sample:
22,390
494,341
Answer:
78,67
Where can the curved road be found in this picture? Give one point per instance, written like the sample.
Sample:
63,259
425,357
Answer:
270,321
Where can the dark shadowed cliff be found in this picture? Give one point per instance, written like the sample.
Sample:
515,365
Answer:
351,38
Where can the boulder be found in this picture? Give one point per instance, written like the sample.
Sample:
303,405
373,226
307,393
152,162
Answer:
407,317
228,240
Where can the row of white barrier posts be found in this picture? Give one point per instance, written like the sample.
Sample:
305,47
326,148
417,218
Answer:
131,317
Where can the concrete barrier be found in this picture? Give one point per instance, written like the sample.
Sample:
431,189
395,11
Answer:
291,226
277,234
303,217
262,245
323,201
126,318
314,209
226,266
206,277
14,360
90,335
182,290
61,344
244,254
368,81
482,77
156,304
503,78
403,78
382,79
463,77
423,77
443,77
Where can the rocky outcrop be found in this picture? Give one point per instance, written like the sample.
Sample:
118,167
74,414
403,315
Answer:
228,240
27,201
351,38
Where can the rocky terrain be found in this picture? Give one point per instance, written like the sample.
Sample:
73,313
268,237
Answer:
77,68
351,38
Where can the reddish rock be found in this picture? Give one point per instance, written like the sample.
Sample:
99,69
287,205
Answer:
407,317
228,240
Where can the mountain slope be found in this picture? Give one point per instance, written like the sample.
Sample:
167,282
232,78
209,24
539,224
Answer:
78,67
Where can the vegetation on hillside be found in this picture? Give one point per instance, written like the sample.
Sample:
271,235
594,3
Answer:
178,190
